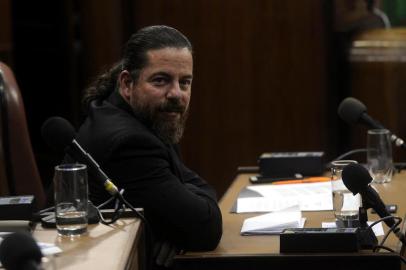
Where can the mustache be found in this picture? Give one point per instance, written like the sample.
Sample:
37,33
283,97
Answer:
173,105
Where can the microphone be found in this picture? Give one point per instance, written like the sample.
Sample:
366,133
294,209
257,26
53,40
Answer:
59,134
19,251
356,178
353,111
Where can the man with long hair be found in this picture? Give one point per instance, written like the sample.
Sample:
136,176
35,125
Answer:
136,114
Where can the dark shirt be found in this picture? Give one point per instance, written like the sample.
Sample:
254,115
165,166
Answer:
179,205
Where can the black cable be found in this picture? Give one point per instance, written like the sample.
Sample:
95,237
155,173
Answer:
377,247
392,229
46,210
349,153
136,212
148,229
119,208
381,246
382,219
390,250
106,202
398,165
116,215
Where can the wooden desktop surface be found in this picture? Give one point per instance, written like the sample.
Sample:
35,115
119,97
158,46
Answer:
233,246
104,247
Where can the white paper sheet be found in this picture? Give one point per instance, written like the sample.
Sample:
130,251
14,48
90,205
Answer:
272,223
309,196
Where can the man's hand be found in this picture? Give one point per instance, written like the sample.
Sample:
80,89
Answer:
164,253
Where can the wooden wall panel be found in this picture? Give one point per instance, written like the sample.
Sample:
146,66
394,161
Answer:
102,31
269,74
5,31
260,79
261,70
6,57
378,79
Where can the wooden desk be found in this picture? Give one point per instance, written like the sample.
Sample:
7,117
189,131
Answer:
262,252
118,246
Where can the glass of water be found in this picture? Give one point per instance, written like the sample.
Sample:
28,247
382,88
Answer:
345,204
71,199
379,155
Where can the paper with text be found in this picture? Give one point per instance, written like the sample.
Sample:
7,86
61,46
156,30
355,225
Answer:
309,197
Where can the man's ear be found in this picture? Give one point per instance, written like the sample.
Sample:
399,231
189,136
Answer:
125,84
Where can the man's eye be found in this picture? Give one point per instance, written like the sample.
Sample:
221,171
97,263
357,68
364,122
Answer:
184,84
160,81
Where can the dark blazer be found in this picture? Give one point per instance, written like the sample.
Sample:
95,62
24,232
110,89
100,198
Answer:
179,205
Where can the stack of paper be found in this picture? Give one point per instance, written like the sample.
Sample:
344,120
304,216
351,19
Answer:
267,198
272,223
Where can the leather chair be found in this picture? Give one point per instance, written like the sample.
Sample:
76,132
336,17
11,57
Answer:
17,158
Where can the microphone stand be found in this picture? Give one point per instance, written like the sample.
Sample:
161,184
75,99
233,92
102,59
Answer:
120,203
367,238
368,203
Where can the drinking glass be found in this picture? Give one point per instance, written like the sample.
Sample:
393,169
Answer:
345,204
71,199
379,155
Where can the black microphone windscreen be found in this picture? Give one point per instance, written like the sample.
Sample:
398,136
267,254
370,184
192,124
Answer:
356,178
58,133
18,249
351,110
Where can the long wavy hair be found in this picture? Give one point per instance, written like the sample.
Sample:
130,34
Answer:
135,58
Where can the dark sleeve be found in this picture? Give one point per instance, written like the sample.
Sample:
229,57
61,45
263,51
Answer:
185,213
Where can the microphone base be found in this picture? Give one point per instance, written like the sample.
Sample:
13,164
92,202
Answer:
351,223
366,238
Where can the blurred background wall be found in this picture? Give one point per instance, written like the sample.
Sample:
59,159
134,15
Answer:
269,74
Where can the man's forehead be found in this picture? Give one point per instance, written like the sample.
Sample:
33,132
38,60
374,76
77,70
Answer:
169,54
169,61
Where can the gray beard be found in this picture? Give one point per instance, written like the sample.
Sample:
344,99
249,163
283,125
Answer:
170,132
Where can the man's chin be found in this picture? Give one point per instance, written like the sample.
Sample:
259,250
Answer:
172,115
169,132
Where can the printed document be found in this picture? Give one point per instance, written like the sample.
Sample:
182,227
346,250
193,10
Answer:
272,223
269,198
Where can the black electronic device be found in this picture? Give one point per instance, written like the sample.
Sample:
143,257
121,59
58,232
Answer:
319,240
290,165
16,207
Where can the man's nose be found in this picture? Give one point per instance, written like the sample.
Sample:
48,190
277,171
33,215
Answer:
175,91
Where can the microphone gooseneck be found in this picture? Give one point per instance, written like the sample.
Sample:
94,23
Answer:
353,111
357,179
19,251
59,134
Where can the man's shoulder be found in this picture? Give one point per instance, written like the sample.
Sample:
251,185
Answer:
111,126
